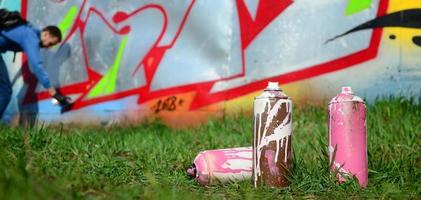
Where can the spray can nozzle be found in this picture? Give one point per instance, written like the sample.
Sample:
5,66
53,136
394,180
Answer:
272,86
347,90
191,171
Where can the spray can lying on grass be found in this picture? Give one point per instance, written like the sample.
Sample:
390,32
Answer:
222,166
347,137
272,137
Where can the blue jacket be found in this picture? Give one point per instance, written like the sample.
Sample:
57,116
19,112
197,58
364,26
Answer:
26,38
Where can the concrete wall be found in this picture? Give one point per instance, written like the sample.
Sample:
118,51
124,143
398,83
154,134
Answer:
185,61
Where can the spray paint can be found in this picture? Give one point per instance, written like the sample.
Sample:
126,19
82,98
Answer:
272,137
348,137
222,166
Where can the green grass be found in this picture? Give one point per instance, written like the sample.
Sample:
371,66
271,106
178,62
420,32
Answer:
148,161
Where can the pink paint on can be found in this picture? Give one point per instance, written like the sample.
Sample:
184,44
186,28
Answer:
348,137
222,166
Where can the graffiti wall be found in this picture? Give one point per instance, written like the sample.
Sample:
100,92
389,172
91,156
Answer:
185,61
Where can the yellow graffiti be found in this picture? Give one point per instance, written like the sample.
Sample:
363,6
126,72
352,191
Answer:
397,5
402,37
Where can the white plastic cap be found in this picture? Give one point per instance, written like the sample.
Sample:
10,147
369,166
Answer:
273,86
347,90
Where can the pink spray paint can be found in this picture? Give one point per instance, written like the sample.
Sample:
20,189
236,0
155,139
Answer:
222,166
348,137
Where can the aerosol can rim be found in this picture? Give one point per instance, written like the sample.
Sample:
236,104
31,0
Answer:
346,92
333,102
286,97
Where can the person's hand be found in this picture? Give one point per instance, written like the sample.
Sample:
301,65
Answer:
64,102
61,99
52,91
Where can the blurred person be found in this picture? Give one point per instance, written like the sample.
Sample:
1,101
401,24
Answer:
18,35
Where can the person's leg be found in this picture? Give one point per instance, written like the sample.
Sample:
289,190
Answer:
5,87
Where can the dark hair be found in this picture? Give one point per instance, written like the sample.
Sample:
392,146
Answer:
54,31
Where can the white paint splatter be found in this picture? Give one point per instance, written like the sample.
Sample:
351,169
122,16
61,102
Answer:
237,164
232,177
247,155
280,133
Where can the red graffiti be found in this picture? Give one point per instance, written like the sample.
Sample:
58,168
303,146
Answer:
267,11
250,28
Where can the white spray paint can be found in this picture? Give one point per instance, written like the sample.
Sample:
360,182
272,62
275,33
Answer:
272,137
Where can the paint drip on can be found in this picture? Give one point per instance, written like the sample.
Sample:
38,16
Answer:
222,166
272,137
348,137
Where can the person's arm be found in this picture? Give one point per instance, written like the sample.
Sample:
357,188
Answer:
32,51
